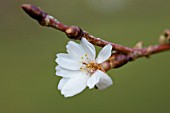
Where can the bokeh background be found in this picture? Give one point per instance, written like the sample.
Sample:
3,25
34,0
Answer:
27,57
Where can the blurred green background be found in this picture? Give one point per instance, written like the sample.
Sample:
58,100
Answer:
27,56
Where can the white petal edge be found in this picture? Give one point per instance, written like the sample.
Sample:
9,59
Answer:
62,82
104,54
104,80
75,85
68,62
66,72
89,48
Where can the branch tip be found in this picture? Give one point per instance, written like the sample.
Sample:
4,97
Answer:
35,12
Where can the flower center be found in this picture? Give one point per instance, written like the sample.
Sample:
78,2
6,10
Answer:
90,68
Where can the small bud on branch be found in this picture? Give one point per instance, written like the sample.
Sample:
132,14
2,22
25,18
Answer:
123,54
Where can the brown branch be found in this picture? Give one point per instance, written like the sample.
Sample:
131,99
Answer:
123,54
73,32
118,59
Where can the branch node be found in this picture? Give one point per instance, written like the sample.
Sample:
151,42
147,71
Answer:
74,32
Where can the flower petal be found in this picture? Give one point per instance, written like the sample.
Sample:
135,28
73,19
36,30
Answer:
104,54
104,80
75,85
68,62
93,80
66,72
89,49
75,49
62,82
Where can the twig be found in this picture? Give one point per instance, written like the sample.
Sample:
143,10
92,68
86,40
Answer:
117,59
73,32
123,54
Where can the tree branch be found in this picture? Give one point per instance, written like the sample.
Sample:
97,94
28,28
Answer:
123,54
73,32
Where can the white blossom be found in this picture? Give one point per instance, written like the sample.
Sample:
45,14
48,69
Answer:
80,69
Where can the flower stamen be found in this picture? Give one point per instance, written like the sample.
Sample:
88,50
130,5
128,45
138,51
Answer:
90,68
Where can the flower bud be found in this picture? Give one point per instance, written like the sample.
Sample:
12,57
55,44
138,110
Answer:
164,40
